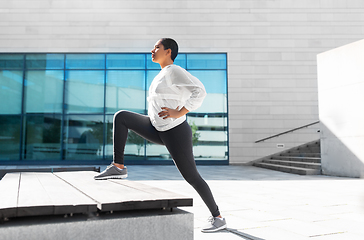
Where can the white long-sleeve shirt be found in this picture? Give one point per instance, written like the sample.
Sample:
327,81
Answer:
173,87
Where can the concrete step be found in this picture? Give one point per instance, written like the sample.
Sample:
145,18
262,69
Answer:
299,154
297,159
307,150
294,164
288,169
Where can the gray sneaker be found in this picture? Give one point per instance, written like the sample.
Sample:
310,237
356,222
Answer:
215,224
112,172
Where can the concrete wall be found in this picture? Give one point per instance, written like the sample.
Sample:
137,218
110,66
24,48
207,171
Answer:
271,46
341,110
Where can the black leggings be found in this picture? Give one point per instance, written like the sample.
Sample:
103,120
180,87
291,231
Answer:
178,141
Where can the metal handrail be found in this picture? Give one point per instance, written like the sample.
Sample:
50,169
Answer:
282,133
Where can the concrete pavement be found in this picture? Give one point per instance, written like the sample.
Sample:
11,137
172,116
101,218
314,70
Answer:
265,204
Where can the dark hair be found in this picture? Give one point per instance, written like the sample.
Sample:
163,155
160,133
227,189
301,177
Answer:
169,43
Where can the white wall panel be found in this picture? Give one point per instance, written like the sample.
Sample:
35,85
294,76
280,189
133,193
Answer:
271,47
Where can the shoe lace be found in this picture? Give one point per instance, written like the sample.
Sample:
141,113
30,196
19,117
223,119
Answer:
211,220
109,166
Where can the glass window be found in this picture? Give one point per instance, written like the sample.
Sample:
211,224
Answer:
125,61
85,61
125,90
206,61
11,85
151,64
84,91
44,91
68,100
44,61
181,60
43,137
151,74
9,137
209,135
84,137
11,61
215,85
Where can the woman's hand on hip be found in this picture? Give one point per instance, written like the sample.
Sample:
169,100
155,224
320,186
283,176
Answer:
172,113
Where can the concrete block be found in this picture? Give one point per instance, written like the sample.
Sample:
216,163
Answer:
151,225
341,84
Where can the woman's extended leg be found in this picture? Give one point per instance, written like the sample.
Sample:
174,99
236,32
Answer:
179,143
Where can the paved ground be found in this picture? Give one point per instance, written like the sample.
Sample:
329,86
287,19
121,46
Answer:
270,205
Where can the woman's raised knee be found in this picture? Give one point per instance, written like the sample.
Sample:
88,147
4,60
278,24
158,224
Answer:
120,115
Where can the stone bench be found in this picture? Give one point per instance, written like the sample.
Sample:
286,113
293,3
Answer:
72,205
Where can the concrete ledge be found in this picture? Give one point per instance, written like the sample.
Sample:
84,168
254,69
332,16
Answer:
128,225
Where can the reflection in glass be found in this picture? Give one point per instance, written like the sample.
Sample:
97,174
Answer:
84,137
157,152
11,85
11,61
209,135
85,61
125,61
43,137
125,90
44,91
215,85
9,137
151,74
84,91
44,61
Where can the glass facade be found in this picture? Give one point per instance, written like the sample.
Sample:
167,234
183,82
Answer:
59,107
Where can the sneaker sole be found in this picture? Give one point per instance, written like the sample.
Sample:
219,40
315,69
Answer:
215,229
112,177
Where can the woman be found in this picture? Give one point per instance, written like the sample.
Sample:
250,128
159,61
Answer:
172,94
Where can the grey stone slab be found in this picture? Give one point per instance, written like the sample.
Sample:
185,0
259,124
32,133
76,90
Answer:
51,169
174,199
119,195
130,225
46,194
9,186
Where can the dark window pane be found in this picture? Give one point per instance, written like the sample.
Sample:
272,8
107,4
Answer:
44,91
9,137
11,61
84,137
85,61
125,61
11,85
84,91
43,137
206,61
125,90
44,61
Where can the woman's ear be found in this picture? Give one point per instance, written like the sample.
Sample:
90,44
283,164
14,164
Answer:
169,52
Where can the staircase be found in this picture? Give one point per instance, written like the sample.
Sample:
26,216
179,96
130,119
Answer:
302,160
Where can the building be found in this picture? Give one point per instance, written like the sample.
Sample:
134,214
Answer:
61,63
